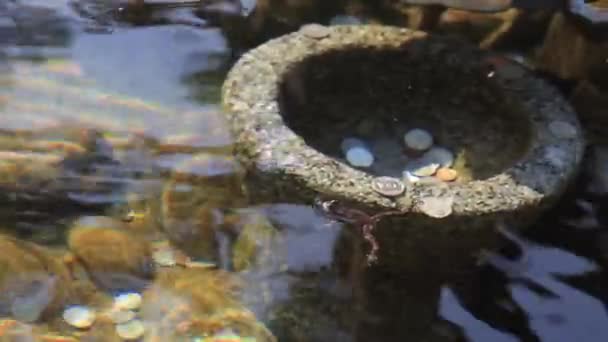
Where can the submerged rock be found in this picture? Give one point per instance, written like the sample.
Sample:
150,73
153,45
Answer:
198,302
34,285
115,259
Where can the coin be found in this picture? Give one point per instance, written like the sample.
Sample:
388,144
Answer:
315,31
388,186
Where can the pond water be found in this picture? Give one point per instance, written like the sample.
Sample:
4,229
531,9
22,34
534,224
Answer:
117,176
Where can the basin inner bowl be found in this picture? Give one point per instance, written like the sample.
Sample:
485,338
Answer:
378,94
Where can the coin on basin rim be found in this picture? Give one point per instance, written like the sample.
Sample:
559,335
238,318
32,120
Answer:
388,186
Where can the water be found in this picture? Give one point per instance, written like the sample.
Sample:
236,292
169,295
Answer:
107,139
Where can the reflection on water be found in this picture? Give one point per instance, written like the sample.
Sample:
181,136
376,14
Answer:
116,176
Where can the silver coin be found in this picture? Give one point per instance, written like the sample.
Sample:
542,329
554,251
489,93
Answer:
388,186
315,31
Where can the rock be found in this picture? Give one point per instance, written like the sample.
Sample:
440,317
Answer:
446,174
598,170
203,180
115,259
563,130
257,237
574,60
315,31
388,186
193,198
34,285
131,330
591,103
359,157
196,235
418,139
79,316
469,5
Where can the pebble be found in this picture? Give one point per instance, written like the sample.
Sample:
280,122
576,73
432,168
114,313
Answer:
164,257
439,155
437,207
79,316
562,129
315,31
127,301
446,174
359,157
418,139
131,330
388,186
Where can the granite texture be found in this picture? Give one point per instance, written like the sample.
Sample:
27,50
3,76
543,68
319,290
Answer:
284,167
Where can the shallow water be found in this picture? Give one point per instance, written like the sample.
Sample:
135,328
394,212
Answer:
120,131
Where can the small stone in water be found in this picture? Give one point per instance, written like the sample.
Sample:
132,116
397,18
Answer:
164,257
315,31
418,139
359,157
127,301
439,155
446,174
131,330
562,129
79,316
388,186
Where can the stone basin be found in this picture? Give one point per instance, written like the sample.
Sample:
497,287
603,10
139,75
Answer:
291,101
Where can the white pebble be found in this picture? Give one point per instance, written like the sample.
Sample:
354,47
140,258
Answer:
131,330
418,139
359,157
439,155
349,143
79,316
127,301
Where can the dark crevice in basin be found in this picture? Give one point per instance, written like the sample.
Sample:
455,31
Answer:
379,94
